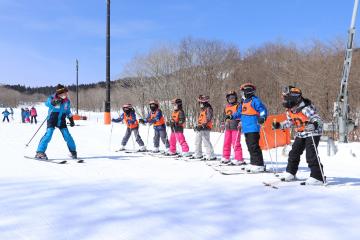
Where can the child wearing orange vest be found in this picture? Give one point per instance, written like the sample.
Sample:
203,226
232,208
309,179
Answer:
177,124
302,115
253,114
129,117
232,132
202,130
156,118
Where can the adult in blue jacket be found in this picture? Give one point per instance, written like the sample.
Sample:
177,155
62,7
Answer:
59,109
252,113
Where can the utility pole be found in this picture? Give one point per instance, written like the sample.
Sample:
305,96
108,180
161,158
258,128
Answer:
77,87
341,107
107,116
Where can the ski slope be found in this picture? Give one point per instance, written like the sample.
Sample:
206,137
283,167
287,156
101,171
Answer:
135,196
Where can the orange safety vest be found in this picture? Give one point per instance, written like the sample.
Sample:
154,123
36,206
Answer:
132,125
299,119
157,123
202,119
247,109
175,118
231,109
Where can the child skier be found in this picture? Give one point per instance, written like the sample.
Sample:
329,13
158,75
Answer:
202,130
156,118
232,132
59,109
33,114
176,124
129,117
253,114
302,115
6,114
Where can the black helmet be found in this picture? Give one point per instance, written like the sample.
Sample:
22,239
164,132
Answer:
231,93
176,101
292,96
248,90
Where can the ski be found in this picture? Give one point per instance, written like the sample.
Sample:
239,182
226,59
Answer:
237,172
49,160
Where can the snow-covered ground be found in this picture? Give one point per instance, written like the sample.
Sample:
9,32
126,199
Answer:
133,196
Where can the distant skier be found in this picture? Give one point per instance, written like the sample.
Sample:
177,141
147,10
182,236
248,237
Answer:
59,109
156,118
203,128
302,115
6,114
27,115
177,124
33,114
253,114
22,115
129,117
232,132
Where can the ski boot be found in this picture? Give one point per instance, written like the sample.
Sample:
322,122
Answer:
41,156
287,177
142,149
186,154
122,148
156,150
196,157
73,154
255,169
224,161
312,181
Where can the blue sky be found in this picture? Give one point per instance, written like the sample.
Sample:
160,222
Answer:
40,40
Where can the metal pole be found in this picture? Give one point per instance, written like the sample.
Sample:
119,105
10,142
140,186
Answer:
107,117
342,105
77,87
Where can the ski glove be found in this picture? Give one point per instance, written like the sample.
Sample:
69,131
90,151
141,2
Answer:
310,127
228,117
72,123
261,120
276,125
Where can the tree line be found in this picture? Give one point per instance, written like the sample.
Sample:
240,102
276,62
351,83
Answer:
198,66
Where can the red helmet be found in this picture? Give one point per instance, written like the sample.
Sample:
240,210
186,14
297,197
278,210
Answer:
248,90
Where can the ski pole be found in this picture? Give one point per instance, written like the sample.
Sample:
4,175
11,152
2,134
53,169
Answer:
319,162
36,132
267,146
147,136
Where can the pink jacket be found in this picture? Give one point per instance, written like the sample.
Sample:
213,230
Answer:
33,112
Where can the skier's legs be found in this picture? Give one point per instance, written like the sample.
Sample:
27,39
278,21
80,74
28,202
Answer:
236,137
69,139
35,120
252,142
297,149
227,144
311,157
172,142
198,144
137,137
45,140
164,139
32,119
126,137
181,138
207,144
156,138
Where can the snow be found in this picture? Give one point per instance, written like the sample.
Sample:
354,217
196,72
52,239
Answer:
134,196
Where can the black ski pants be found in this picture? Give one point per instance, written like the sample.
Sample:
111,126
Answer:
298,147
252,143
